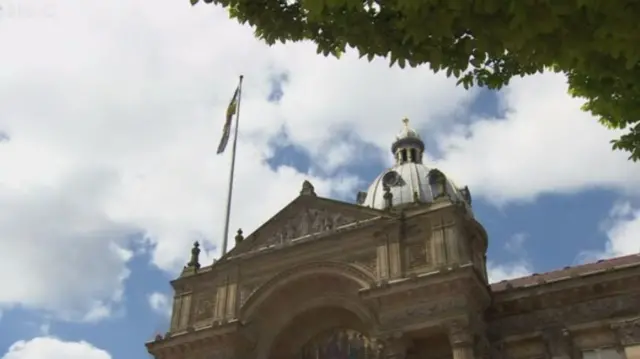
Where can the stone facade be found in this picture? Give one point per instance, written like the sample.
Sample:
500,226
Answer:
400,275
326,279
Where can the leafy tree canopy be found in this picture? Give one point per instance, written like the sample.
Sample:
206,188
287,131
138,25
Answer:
596,43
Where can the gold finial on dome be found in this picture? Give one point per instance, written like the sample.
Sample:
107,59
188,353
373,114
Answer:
405,121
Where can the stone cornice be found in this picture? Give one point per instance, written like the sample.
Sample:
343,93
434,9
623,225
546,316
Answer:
423,280
579,310
221,335
564,294
628,331
618,264
629,275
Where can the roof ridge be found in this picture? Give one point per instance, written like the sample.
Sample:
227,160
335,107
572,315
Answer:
568,272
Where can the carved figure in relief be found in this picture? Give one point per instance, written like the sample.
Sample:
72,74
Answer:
204,307
305,222
417,254
308,222
328,223
289,231
317,222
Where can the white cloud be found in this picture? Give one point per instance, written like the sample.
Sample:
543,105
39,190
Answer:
515,245
510,270
622,228
53,348
545,144
113,112
45,329
518,266
160,303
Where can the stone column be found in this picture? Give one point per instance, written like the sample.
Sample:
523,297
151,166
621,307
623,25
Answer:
628,333
461,339
382,264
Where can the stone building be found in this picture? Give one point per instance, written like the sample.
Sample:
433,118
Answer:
400,274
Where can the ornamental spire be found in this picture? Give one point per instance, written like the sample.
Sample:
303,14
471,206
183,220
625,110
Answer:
195,257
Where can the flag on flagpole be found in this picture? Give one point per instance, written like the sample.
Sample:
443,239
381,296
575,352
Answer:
226,130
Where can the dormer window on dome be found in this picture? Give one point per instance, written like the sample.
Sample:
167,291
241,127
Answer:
408,146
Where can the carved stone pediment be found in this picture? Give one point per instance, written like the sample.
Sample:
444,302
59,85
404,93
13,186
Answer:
304,218
308,221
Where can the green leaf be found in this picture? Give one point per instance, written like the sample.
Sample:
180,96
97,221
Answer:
314,7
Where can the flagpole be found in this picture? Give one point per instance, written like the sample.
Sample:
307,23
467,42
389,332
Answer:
225,237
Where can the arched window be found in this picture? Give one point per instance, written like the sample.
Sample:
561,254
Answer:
338,343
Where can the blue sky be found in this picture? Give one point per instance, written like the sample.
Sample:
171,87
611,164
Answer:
108,170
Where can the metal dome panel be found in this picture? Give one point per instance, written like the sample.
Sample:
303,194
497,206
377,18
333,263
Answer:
410,184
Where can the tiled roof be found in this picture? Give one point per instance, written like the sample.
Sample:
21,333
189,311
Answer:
568,272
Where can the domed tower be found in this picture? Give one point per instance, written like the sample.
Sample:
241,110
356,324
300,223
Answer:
409,181
430,201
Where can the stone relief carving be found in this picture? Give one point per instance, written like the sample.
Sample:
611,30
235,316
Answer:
421,312
628,332
368,261
598,309
307,222
417,254
204,306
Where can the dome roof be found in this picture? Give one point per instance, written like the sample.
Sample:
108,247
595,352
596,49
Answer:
409,181
413,183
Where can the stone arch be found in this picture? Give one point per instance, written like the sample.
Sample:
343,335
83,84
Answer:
269,340
357,276
361,320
